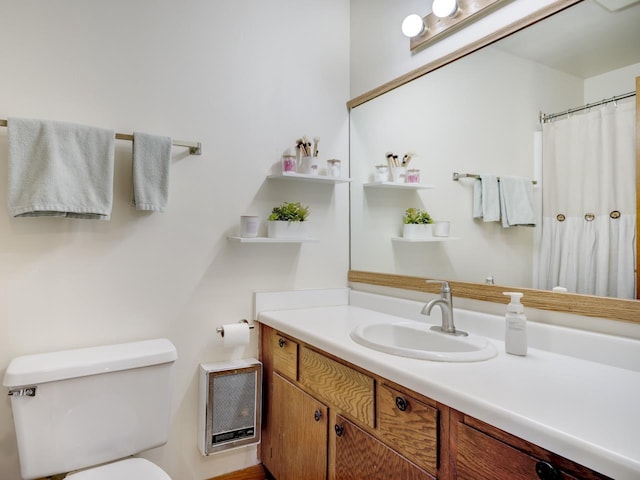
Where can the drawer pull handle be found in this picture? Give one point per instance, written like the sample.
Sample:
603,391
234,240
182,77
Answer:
546,471
317,415
339,430
402,404
281,343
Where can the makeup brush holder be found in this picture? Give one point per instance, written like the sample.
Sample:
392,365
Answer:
309,165
399,174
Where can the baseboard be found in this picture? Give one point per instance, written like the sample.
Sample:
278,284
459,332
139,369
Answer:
251,473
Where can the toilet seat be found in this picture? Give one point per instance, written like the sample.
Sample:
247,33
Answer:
129,469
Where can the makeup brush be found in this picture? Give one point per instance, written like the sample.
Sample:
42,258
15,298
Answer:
316,141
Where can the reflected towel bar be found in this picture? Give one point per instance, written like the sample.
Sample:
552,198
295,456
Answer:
195,148
457,176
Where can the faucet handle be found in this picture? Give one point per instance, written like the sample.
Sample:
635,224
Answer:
445,288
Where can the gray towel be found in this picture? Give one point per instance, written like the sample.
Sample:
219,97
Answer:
151,162
516,202
486,198
59,169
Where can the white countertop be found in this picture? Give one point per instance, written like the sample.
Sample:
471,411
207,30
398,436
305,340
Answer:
586,411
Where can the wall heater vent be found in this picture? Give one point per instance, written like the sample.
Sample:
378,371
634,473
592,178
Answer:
229,408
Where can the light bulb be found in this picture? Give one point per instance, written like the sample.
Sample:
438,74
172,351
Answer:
444,8
412,26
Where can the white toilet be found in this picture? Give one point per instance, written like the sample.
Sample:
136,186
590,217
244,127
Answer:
81,410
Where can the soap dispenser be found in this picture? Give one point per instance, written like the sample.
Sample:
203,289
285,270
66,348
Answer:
515,337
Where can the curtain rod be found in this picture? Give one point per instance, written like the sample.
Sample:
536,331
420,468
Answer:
457,176
545,118
195,148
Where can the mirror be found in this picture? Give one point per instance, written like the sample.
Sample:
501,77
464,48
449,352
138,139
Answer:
480,114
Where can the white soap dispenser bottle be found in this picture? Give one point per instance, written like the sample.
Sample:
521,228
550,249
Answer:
515,337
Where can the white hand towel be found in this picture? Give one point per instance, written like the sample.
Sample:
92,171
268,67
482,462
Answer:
490,198
477,198
516,200
151,163
59,169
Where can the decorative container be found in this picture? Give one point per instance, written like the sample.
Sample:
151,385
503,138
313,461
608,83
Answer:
417,231
286,229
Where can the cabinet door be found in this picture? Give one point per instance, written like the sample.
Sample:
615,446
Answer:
480,456
360,456
298,432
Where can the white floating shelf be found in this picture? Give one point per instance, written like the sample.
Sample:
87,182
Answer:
423,240
302,177
400,186
270,240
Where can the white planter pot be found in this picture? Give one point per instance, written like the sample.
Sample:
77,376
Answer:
280,229
417,231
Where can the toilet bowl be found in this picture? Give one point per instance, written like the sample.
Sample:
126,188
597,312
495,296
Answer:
130,469
89,410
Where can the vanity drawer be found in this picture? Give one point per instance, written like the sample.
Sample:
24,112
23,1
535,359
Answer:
347,389
409,426
285,356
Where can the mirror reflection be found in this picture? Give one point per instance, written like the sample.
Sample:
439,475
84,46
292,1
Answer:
480,115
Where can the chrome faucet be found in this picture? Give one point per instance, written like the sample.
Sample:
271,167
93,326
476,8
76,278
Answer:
445,302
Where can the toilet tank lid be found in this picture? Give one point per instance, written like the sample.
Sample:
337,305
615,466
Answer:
48,367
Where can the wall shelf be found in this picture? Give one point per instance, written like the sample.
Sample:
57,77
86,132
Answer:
399,186
423,240
270,240
302,177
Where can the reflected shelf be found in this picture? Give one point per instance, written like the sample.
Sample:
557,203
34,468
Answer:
423,240
270,240
399,186
303,177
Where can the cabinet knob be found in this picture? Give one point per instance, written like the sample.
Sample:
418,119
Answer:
281,342
317,415
339,430
401,403
546,471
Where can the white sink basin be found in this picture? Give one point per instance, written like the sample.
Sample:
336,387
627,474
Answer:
416,340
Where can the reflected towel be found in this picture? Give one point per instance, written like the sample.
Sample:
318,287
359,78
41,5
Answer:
486,198
151,162
516,202
59,169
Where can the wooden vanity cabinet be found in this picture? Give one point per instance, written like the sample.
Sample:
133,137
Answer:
328,420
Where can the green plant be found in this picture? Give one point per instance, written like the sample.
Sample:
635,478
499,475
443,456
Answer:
416,216
289,212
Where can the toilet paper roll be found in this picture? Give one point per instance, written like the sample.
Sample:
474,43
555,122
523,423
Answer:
235,334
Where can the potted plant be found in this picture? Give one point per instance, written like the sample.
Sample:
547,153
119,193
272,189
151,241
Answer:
417,224
288,220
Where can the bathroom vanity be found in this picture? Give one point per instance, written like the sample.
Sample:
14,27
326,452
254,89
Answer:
337,410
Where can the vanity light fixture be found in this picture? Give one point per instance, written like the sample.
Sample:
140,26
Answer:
413,25
444,8
448,16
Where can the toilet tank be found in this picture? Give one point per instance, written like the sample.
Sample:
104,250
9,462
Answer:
78,408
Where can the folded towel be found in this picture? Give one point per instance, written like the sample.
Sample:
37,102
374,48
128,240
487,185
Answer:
516,202
59,169
151,162
477,198
486,198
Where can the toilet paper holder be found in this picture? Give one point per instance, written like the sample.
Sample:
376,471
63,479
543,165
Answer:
220,330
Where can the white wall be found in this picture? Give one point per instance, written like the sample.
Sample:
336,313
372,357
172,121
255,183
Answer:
616,82
243,77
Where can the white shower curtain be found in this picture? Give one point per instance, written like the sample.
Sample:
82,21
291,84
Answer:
589,203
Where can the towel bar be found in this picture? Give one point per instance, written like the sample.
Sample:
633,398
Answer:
195,148
457,176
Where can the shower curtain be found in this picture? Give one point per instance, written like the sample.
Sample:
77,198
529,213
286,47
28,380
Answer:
589,203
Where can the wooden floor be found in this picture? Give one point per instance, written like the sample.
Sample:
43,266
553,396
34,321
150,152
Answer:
252,473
